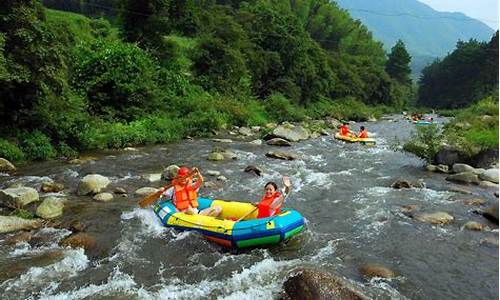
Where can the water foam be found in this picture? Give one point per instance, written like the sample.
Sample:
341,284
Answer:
151,225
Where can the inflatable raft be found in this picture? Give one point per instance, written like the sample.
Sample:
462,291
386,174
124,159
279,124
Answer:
224,230
353,139
422,123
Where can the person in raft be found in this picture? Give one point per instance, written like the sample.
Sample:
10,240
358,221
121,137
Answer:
184,193
344,130
272,201
363,134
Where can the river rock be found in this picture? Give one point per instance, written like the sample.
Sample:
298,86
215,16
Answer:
146,191
103,197
478,171
153,177
491,213
291,133
12,223
281,155
254,169
76,226
459,189
215,156
490,175
6,166
460,168
475,202
51,187
256,128
222,140
130,149
278,142
213,173
475,226
271,125
435,218
79,240
51,207
228,154
256,142
405,184
333,123
409,208
485,158
490,241
170,172
18,197
447,156
464,177
308,284
245,131
431,168
488,184
442,169
222,178
92,184
120,191
23,236
376,270
34,262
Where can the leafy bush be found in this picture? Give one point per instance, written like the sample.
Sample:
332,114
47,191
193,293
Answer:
37,146
11,151
23,213
425,143
280,109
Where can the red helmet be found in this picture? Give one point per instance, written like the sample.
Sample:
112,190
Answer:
183,171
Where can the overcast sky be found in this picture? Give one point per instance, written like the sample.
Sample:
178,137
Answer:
484,10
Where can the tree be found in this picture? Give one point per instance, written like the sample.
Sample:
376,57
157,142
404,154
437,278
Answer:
398,64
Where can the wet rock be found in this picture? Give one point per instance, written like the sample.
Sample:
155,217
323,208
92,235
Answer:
485,158
153,177
213,173
488,184
120,190
6,166
222,140
18,197
291,133
333,123
76,226
23,236
491,213
146,191
281,155
131,149
215,156
245,131
490,241
228,154
254,169
79,240
431,168
376,270
440,218
464,177
324,132
458,189
437,168
405,184
170,172
11,224
409,208
278,142
475,202
310,284
256,142
103,197
51,207
478,171
92,184
490,175
460,168
447,156
51,187
475,226
222,178
16,268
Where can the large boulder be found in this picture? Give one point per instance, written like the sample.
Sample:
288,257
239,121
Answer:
474,226
79,240
12,223
447,156
460,168
435,218
484,159
215,156
278,142
18,197
92,184
51,207
309,284
491,213
170,172
281,155
103,197
464,177
6,166
490,175
245,131
51,187
291,132
376,270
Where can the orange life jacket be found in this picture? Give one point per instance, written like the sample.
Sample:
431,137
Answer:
344,130
264,206
363,134
185,194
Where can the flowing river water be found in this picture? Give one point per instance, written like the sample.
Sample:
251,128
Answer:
353,217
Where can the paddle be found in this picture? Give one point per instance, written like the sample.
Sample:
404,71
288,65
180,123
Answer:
285,179
153,197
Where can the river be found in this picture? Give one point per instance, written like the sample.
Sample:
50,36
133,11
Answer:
353,217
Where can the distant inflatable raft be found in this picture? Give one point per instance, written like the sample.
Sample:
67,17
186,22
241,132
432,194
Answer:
225,231
353,139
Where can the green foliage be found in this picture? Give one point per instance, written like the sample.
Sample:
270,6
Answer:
23,213
425,143
37,146
280,109
398,63
465,75
346,109
11,151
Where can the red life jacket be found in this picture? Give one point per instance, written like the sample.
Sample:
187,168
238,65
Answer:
185,194
344,130
363,134
264,206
